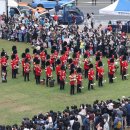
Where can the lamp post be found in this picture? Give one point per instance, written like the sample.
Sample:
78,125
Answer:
7,9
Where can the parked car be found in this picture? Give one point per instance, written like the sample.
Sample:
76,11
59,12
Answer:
49,4
65,16
25,7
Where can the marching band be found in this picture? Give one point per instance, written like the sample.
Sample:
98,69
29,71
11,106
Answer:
60,63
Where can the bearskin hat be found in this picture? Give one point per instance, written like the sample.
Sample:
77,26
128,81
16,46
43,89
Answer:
27,50
13,57
47,63
23,55
14,48
91,66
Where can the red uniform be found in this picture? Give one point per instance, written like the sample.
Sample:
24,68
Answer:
112,69
38,70
26,68
72,79
43,56
14,68
87,53
124,65
14,64
124,69
17,58
3,61
55,54
79,78
52,58
100,71
62,75
58,69
28,56
48,71
76,61
72,83
79,82
86,67
91,74
86,64
63,59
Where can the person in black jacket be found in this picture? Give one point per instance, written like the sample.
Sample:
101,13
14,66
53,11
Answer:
76,125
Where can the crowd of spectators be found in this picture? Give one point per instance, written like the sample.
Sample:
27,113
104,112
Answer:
101,115
47,32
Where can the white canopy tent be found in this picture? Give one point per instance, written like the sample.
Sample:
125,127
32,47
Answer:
120,7
12,3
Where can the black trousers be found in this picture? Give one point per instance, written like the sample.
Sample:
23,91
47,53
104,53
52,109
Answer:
43,64
86,73
3,69
72,90
14,72
53,65
100,79
47,80
123,75
23,71
79,88
62,84
90,86
58,79
111,76
96,75
120,70
26,76
37,79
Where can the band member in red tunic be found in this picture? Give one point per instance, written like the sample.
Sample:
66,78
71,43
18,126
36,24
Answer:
43,57
124,67
91,77
13,66
86,65
75,60
17,59
96,66
120,59
112,70
38,71
26,70
52,58
73,79
3,62
58,68
62,77
28,56
48,71
79,80
23,61
100,73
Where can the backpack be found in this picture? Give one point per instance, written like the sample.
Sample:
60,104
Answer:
119,124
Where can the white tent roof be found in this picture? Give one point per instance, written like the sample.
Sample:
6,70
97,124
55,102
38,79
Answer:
12,3
117,8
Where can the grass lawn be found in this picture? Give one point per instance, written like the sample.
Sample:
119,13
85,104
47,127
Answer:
20,99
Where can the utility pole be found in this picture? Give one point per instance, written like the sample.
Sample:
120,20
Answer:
7,9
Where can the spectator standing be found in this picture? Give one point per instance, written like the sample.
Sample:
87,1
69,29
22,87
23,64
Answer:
128,114
76,125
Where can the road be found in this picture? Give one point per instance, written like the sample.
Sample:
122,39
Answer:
86,7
